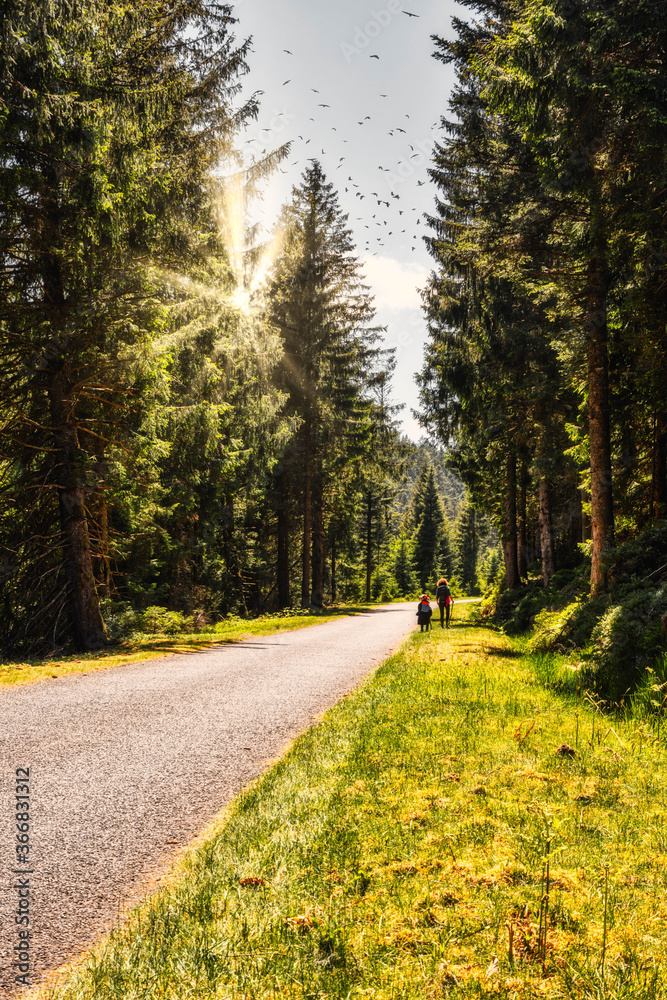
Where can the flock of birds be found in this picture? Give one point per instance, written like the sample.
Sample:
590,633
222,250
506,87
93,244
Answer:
379,227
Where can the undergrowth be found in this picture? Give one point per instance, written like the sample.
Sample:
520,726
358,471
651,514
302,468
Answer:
617,635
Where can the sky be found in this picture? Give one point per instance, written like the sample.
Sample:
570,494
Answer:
374,138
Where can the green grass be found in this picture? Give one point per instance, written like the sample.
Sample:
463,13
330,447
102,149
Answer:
150,647
398,850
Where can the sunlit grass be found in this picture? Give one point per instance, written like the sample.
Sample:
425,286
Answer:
154,646
398,850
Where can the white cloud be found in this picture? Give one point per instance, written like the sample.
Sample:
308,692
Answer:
395,284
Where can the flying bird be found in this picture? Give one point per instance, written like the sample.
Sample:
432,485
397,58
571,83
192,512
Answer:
286,82
375,57
287,51
410,14
324,105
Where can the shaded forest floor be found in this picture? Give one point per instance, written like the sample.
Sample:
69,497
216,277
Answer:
149,647
399,849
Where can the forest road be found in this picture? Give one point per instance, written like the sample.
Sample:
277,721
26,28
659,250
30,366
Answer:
128,764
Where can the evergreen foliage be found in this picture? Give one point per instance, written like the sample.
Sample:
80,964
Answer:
329,369
549,294
112,120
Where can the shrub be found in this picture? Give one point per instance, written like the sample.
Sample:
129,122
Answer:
123,622
628,638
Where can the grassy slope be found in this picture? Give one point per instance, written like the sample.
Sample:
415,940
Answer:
151,647
394,847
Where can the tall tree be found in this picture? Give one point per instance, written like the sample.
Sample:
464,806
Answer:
324,314
428,538
112,119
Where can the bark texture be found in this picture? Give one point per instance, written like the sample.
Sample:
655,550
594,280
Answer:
547,546
510,526
317,594
307,529
88,630
602,507
522,538
283,554
660,467
369,544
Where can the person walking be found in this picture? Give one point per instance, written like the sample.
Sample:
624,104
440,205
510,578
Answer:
424,612
443,596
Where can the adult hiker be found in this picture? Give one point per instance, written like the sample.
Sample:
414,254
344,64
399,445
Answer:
424,612
443,596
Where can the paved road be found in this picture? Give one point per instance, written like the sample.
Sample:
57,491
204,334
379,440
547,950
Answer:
128,764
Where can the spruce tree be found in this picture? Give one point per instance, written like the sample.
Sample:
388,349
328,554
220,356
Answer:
324,314
429,531
112,119
467,543
403,567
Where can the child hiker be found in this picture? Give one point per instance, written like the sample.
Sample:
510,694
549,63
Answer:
424,612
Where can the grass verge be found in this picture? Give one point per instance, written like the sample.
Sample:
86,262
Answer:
150,647
454,828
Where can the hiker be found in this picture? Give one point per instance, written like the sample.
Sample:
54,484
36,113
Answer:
443,596
424,612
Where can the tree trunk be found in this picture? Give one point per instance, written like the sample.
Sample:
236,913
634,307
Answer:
660,467
369,544
283,568
546,533
522,543
334,581
102,560
585,520
98,502
88,629
317,595
307,528
602,508
230,552
509,528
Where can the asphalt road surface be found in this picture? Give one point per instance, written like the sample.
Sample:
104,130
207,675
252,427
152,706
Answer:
127,765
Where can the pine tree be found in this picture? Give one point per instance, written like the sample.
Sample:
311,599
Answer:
467,543
429,531
402,567
447,558
324,314
112,118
